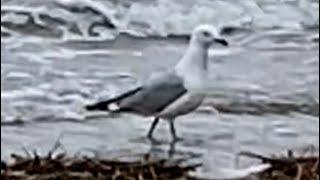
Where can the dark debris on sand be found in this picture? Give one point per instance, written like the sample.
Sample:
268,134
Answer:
62,167
292,166
288,167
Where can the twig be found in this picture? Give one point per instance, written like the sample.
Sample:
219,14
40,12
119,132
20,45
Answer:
55,147
27,153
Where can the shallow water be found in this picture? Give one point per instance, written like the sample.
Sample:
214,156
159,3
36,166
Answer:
265,84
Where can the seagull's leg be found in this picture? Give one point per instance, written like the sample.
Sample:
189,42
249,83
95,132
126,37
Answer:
173,131
153,126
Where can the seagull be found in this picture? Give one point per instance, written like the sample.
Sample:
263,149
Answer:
174,92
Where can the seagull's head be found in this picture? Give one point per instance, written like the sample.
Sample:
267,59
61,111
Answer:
206,35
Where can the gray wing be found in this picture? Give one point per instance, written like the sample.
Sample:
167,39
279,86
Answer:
155,95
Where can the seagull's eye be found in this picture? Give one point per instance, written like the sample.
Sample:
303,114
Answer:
206,34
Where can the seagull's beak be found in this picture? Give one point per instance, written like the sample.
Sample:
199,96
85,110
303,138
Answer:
221,41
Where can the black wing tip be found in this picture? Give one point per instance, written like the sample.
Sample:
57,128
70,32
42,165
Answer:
96,107
90,107
103,106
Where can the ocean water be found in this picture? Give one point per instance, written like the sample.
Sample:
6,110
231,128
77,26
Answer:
57,56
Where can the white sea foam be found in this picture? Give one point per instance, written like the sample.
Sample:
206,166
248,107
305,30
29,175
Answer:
164,17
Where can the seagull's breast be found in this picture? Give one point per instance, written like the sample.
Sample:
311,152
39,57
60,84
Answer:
183,105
